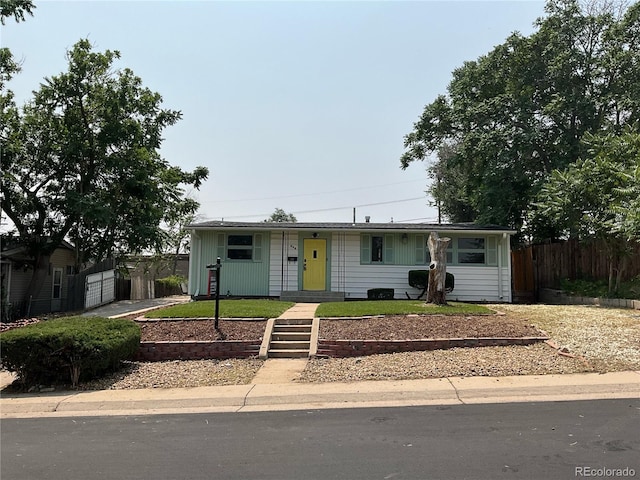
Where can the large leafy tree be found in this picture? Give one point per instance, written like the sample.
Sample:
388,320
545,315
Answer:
81,161
8,66
517,113
280,216
598,197
16,9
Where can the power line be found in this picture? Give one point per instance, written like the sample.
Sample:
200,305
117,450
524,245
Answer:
330,209
310,194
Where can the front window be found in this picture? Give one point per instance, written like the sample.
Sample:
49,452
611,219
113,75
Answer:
471,250
240,247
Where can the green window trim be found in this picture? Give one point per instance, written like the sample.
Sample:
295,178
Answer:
421,249
240,247
462,251
376,249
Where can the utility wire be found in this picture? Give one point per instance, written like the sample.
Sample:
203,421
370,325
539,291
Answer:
262,215
311,194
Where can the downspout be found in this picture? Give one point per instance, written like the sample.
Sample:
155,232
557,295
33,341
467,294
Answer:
282,265
500,295
194,263
508,246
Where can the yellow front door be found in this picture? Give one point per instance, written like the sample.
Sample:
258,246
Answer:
315,264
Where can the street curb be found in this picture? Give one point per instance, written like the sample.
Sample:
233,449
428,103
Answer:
297,396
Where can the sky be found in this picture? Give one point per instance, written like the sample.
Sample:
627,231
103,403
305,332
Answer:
298,105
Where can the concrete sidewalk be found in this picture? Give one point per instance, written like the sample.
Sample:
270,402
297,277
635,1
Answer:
271,389
124,308
299,396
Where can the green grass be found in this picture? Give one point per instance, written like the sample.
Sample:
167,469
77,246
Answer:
228,309
274,308
396,307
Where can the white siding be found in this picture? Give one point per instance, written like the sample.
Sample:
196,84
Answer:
472,283
283,274
347,274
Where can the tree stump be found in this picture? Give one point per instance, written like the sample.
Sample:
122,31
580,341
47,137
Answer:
436,292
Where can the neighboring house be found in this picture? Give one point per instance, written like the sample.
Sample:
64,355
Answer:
301,261
143,271
17,270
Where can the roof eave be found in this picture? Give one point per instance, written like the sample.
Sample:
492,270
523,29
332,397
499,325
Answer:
353,227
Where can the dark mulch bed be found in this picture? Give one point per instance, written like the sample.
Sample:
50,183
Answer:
426,326
183,330
384,328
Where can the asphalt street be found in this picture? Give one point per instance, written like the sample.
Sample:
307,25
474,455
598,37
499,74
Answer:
550,440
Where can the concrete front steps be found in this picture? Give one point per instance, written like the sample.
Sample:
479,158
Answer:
290,338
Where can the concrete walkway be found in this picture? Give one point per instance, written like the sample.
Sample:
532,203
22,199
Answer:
301,311
286,370
124,308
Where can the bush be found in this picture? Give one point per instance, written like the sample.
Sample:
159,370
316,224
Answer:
172,281
168,286
380,294
629,289
75,348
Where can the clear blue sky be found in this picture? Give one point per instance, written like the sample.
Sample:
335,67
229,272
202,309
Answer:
297,105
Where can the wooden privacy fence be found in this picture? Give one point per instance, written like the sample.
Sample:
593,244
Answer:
141,288
545,265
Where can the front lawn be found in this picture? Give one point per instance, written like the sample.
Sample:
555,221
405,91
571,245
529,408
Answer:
228,309
396,307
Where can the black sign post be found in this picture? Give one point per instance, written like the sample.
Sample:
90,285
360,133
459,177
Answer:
214,286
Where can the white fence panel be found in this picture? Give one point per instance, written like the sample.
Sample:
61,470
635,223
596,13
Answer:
100,288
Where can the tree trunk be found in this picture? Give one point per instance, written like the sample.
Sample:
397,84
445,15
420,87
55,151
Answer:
437,269
622,266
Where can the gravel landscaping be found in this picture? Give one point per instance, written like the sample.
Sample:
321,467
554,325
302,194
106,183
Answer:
538,359
608,338
592,339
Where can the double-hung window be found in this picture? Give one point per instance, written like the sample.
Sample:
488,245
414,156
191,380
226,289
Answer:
461,251
240,247
471,250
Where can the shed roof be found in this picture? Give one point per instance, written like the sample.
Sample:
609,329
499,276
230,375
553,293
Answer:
347,226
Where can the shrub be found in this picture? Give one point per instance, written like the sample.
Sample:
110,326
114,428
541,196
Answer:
380,294
75,348
167,286
172,281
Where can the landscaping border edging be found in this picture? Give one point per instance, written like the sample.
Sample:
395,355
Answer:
557,297
359,348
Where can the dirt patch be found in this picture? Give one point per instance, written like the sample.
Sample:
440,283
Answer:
184,330
426,326
378,328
